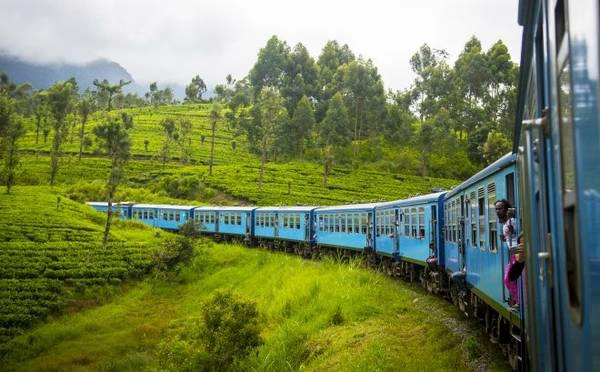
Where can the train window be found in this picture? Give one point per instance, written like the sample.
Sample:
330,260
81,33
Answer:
165,216
413,222
337,223
342,218
453,221
406,223
568,166
473,220
421,223
171,216
239,219
177,216
510,188
355,223
481,205
285,221
298,217
320,223
151,215
364,223
493,234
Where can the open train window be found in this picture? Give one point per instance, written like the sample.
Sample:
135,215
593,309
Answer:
364,223
413,222
406,223
492,221
568,167
481,214
421,223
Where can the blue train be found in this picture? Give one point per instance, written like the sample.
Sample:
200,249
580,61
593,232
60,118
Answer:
452,241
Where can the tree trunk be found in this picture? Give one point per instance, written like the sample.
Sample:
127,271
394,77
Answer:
55,155
326,166
108,223
81,134
37,129
263,160
212,148
112,187
11,164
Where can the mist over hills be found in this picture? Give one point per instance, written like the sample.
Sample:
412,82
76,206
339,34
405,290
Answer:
42,76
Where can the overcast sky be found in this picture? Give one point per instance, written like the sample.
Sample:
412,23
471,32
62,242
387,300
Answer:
172,41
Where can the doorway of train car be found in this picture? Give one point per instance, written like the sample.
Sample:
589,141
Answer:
432,232
370,230
396,237
276,225
248,224
461,234
306,227
533,167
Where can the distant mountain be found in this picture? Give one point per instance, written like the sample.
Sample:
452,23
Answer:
42,76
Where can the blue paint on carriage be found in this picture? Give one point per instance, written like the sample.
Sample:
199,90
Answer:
225,220
349,226
471,220
169,217
120,210
285,223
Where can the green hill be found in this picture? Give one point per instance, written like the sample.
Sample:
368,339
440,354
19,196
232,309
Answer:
51,253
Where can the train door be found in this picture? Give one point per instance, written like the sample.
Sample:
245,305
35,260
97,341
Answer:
370,230
461,235
276,226
248,224
396,237
306,227
217,221
534,205
433,232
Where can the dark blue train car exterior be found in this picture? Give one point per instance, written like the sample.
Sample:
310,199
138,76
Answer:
121,210
473,234
347,226
410,229
557,139
285,223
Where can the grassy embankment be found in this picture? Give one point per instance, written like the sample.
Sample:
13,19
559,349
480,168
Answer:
314,316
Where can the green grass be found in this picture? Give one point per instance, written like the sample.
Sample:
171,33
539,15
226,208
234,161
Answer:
314,316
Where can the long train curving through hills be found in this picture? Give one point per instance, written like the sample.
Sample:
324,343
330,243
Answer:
452,241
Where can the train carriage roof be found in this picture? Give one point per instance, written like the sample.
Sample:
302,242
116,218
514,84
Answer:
164,206
348,207
496,166
421,199
225,208
286,209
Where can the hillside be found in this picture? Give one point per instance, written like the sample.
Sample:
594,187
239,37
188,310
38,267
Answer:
52,256
312,316
236,169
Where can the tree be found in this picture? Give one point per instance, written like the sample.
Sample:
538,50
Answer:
300,79
170,130
424,63
215,115
296,131
195,90
110,90
496,145
184,139
41,112
113,138
332,57
334,133
11,129
269,69
60,99
271,113
85,108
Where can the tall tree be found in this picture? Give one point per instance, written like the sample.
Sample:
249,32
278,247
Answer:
195,90
334,133
332,57
113,138
272,114
10,148
214,115
169,127
110,90
40,113
296,131
301,77
424,63
269,70
185,139
85,109
60,100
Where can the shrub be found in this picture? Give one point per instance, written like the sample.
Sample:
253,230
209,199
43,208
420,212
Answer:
230,328
225,334
172,252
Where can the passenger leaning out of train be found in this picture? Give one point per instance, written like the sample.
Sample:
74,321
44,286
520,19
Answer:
505,214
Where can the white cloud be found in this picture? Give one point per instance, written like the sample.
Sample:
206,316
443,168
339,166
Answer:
177,39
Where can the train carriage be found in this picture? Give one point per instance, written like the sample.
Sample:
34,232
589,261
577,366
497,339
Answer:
169,217
409,229
473,236
557,137
284,223
228,221
121,210
347,226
